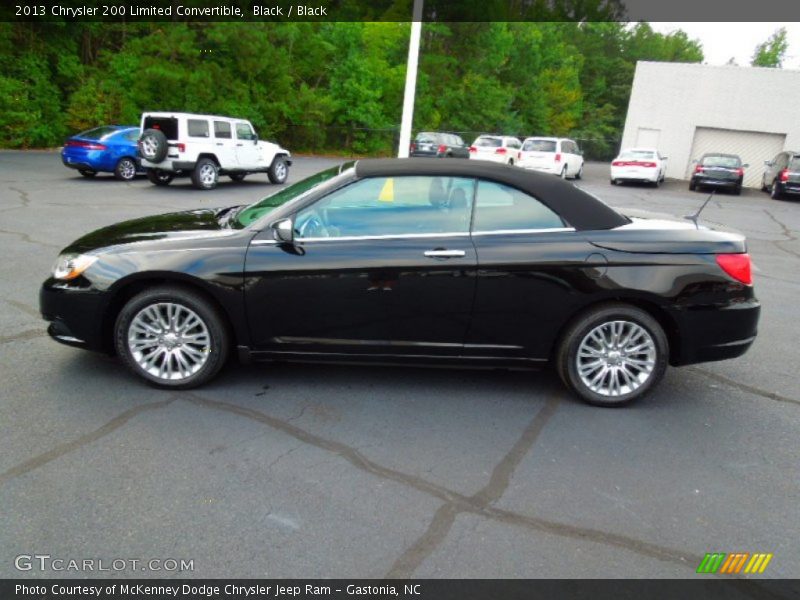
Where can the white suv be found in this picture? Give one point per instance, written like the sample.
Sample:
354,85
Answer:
497,148
205,147
559,156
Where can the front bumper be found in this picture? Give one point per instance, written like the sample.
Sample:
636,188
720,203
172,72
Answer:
75,315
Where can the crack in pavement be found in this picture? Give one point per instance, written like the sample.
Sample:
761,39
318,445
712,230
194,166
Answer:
499,481
455,502
744,387
88,438
23,197
785,231
28,334
24,308
26,238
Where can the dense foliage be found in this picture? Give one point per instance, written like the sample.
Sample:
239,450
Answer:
772,52
328,86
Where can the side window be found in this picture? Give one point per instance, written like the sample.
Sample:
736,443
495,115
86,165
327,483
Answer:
132,135
244,132
386,206
198,128
222,129
499,207
458,141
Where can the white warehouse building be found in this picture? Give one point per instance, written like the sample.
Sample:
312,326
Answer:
686,110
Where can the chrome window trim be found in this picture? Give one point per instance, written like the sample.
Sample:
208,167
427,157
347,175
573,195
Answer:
523,231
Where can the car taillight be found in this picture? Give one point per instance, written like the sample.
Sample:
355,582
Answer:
618,163
698,169
473,149
500,151
558,157
84,145
181,147
412,147
737,266
442,149
784,175
740,172
648,165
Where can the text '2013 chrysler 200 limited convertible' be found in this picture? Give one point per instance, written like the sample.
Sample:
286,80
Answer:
410,261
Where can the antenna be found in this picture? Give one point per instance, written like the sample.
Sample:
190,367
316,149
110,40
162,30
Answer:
693,218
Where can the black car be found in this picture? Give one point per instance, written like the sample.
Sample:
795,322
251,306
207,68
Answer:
438,145
410,261
782,175
724,171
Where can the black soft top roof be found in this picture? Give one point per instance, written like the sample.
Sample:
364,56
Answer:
581,210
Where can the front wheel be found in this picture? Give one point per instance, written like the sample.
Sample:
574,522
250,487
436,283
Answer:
172,337
205,174
278,170
613,355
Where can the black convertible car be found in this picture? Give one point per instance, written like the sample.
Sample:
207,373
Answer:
410,261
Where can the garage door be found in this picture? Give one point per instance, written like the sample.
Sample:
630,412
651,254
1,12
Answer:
754,147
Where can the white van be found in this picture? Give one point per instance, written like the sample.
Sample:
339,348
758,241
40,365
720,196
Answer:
559,156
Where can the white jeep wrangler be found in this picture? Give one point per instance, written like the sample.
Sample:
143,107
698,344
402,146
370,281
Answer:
205,147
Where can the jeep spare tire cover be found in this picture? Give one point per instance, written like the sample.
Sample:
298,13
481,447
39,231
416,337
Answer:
153,145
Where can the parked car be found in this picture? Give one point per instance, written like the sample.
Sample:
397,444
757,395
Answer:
204,147
643,165
496,148
782,175
106,149
439,145
714,170
558,156
411,261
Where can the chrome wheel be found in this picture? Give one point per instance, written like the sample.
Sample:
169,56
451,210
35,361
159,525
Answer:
280,171
616,358
169,341
127,170
149,147
208,174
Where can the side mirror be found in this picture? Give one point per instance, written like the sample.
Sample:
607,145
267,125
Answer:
283,230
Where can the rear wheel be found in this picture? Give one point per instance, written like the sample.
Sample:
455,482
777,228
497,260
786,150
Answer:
737,191
775,191
692,186
86,173
157,177
278,170
612,355
153,145
172,337
579,174
205,175
563,172
125,169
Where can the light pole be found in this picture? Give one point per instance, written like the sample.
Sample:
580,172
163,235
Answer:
411,81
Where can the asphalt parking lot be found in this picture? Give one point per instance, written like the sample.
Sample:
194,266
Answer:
343,471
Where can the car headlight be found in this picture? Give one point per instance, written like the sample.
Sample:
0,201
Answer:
70,266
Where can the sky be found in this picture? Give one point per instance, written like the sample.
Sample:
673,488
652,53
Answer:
721,41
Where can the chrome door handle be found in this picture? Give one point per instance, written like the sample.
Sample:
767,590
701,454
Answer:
445,253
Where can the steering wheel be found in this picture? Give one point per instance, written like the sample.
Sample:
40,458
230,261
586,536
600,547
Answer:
313,227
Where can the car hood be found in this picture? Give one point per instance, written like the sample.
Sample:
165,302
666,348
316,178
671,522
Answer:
185,225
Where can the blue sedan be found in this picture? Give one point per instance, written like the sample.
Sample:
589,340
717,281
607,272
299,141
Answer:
110,149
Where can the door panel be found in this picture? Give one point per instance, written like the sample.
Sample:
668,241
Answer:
248,153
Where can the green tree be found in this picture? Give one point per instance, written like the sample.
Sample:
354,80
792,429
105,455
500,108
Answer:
771,52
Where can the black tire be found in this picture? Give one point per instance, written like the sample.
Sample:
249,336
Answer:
205,175
563,174
579,174
217,350
737,191
614,182
237,176
157,177
775,191
692,186
125,169
153,145
580,328
278,170
656,183
87,174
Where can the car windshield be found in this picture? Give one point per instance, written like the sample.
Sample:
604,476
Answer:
637,155
539,146
295,191
730,162
489,142
98,133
